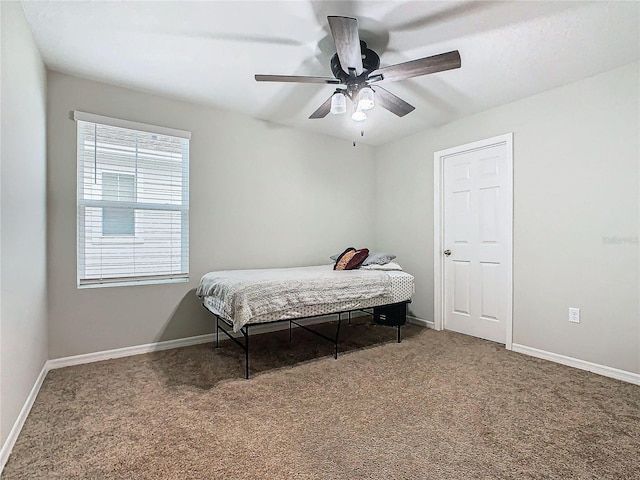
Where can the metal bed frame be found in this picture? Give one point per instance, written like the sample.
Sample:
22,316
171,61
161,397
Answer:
294,321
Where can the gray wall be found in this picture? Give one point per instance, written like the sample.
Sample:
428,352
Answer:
576,211
262,195
23,321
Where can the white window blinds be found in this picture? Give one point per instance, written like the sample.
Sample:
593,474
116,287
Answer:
133,202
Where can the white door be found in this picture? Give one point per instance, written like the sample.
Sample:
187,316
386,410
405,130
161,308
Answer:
476,239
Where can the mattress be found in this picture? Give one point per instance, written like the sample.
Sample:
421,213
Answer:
401,290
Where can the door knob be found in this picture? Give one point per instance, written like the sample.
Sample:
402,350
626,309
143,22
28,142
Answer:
447,252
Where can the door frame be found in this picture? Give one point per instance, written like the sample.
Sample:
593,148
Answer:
438,233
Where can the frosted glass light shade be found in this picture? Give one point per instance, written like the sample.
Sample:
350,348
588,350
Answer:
365,99
359,116
338,103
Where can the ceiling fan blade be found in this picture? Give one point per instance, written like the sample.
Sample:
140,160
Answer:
421,66
296,79
347,40
323,110
394,104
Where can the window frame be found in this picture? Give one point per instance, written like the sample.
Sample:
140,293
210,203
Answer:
105,239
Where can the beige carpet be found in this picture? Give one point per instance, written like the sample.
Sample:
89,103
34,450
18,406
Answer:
437,406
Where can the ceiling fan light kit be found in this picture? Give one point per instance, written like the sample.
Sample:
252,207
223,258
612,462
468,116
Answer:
356,68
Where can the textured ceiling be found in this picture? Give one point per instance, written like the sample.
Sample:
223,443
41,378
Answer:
208,52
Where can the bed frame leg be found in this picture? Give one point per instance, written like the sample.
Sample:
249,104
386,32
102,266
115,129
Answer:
404,307
217,332
335,353
289,333
349,317
246,352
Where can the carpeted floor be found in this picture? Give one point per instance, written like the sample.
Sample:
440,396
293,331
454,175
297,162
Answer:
437,406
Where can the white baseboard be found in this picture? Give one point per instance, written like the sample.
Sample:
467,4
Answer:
128,351
22,417
610,372
421,321
168,344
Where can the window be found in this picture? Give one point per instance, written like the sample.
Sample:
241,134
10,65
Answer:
118,187
133,202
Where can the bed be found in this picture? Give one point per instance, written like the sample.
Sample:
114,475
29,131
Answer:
241,299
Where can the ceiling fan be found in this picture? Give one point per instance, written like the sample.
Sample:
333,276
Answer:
357,71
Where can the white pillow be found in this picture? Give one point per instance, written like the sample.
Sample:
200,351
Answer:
386,266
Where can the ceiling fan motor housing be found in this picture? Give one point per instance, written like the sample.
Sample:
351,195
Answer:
370,62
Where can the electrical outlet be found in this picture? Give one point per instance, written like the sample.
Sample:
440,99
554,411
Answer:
574,315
